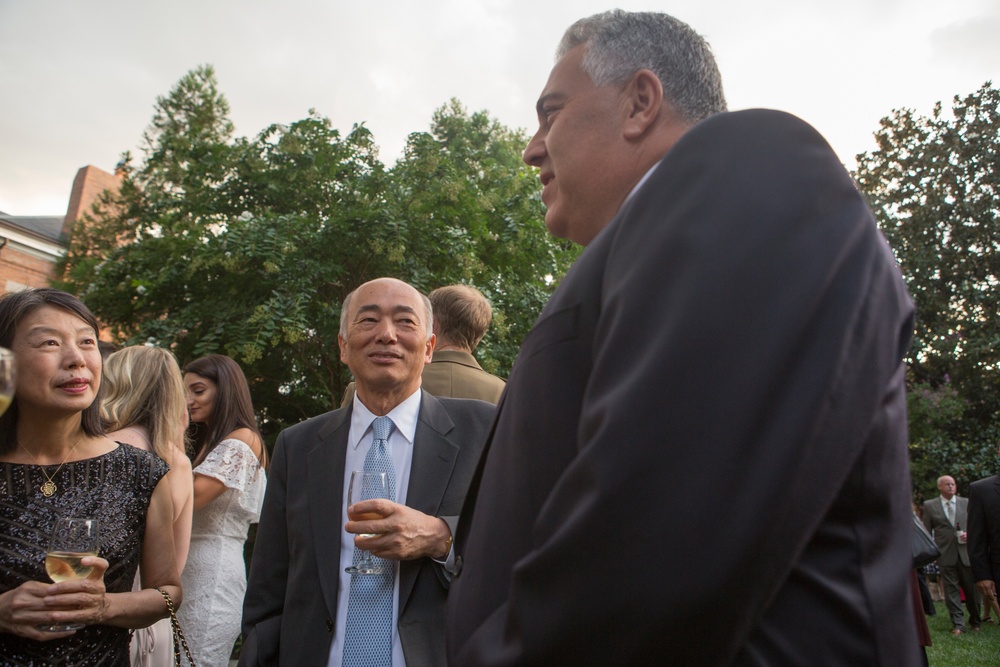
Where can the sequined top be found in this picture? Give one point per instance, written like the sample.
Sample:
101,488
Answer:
114,488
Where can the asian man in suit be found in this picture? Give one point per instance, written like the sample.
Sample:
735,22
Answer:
301,607
710,406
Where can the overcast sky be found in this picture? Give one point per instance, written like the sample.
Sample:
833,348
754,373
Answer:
79,78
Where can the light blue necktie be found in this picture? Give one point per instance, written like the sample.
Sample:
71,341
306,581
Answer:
368,630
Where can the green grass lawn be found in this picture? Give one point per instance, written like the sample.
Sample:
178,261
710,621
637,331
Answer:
973,649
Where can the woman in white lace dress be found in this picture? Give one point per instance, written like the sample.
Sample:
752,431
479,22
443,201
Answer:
144,407
229,484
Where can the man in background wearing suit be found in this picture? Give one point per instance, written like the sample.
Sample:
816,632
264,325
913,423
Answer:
301,607
946,518
710,406
984,538
461,317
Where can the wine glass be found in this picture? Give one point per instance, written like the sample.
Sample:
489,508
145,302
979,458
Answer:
72,540
365,486
8,377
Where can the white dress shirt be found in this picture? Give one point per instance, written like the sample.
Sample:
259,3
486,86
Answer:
359,441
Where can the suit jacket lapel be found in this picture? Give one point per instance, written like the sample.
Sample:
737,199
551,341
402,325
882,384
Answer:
961,512
434,457
325,488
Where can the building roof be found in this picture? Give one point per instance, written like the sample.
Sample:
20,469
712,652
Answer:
47,227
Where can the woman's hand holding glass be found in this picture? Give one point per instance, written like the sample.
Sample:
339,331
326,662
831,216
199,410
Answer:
70,558
23,610
8,378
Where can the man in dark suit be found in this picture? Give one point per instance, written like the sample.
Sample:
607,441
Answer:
461,317
984,538
301,607
711,405
946,518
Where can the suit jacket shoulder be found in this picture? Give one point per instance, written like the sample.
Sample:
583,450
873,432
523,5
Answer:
457,374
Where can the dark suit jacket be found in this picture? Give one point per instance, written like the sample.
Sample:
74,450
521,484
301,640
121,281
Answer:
984,529
455,374
710,407
945,535
291,599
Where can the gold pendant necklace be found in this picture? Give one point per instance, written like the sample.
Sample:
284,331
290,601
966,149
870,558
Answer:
49,488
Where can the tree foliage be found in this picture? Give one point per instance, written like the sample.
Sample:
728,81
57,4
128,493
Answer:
247,246
934,183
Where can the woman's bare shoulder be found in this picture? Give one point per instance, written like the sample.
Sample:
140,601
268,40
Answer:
246,435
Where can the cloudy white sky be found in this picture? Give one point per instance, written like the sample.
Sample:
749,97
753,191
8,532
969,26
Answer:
79,78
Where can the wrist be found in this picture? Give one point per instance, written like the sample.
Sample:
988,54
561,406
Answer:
444,543
447,547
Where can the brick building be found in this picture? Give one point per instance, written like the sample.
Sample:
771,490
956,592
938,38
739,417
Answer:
30,245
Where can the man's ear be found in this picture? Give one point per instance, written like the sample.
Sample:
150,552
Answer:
429,349
342,344
644,100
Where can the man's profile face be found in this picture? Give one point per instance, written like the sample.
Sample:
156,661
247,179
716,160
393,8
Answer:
387,343
577,149
946,485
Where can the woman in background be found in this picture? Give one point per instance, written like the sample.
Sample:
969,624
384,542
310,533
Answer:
55,461
229,483
144,406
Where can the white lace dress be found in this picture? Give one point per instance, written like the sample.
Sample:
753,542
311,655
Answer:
214,578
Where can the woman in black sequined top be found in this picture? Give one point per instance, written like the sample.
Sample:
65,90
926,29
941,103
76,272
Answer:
56,462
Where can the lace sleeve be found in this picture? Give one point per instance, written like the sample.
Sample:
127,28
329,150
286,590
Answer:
233,463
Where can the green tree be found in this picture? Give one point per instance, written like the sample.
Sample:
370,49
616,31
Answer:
934,183
463,188
248,246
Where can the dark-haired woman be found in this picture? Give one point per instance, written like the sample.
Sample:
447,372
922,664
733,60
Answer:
56,462
229,484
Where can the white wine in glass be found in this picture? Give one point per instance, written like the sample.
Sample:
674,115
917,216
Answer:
365,486
8,377
73,539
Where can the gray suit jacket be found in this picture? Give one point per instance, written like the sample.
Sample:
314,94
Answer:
945,534
291,600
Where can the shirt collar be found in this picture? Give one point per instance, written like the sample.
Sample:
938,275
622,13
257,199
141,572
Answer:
642,181
404,419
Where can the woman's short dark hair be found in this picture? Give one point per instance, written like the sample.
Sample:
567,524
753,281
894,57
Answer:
233,408
14,309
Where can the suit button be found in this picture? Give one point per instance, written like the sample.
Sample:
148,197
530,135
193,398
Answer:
329,625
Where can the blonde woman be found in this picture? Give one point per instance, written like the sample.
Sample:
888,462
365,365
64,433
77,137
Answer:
145,407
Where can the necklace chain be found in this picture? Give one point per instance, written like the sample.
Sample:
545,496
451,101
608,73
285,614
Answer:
49,488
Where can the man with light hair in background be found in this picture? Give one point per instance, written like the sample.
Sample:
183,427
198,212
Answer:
461,317
710,406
